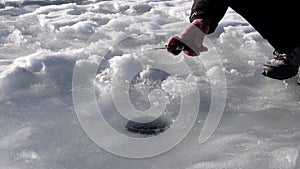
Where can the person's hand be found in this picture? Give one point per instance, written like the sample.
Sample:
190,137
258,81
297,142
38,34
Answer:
190,41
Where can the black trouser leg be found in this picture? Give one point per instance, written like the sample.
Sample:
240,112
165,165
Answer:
274,20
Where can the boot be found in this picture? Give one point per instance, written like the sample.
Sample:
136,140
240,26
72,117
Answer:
282,66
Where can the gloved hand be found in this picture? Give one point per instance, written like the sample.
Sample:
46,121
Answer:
175,46
190,41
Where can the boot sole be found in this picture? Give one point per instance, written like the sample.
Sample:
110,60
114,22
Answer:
279,73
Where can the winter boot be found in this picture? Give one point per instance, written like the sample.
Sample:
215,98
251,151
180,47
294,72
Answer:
283,66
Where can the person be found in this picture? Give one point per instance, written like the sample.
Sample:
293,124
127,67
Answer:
276,20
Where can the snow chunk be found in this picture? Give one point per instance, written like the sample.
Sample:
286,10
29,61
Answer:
84,27
15,139
28,155
215,74
180,87
284,158
16,37
139,9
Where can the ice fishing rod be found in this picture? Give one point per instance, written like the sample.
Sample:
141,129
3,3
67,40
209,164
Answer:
175,47
170,47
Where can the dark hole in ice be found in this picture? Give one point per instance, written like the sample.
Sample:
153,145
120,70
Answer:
154,127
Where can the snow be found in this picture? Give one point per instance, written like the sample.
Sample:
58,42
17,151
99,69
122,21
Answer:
41,42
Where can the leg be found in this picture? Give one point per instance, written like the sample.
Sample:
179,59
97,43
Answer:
275,21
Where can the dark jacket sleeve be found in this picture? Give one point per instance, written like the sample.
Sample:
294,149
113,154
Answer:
214,10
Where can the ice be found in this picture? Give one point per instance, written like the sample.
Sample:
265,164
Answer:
16,37
29,155
18,78
42,41
85,27
284,158
139,9
15,139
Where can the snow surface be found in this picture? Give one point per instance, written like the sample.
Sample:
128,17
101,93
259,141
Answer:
41,41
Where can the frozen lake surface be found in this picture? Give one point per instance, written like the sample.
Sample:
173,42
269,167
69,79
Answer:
41,41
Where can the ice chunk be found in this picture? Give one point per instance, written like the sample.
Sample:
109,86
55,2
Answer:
284,158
